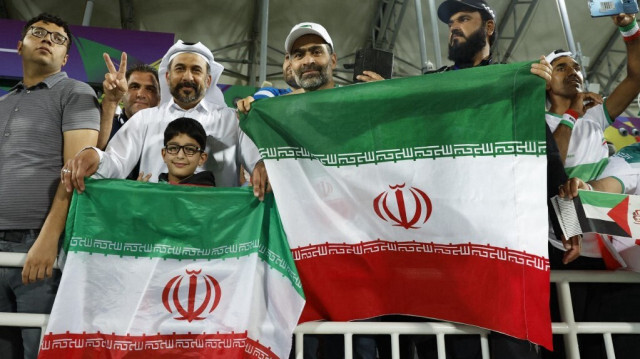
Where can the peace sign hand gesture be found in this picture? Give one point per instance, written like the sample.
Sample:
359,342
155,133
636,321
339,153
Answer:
114,85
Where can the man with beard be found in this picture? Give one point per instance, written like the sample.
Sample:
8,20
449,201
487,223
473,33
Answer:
312,56
188,77
472,32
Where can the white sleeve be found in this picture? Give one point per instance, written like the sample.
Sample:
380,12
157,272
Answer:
621,170
124,149
248,152
599,115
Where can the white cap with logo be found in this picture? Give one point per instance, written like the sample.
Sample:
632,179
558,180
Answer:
306,28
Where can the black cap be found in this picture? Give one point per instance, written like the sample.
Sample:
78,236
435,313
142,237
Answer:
450,7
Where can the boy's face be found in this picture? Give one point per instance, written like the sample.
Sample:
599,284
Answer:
181,164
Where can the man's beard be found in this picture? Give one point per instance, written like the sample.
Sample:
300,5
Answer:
189,98
464,52
312,83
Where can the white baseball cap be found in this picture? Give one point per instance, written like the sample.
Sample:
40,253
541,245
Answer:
556,54
306,28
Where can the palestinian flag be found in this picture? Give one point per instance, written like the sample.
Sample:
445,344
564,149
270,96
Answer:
163,271
599,212
423,196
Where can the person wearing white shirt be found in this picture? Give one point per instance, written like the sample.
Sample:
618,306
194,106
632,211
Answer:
188,77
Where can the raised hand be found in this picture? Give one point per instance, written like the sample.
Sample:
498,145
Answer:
115,82
622,20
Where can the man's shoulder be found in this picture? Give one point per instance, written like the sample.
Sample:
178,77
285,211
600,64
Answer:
595,112
213,110
73,86
595,109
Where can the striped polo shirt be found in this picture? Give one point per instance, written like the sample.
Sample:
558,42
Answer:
32,121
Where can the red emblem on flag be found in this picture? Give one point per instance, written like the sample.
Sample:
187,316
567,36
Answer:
171,294
408,200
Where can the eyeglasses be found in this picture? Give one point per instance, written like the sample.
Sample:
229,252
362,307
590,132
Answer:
56,37
188,150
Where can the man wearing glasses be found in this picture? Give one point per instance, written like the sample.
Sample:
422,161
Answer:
44,120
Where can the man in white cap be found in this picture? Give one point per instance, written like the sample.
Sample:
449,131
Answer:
308,64
188,77
312,56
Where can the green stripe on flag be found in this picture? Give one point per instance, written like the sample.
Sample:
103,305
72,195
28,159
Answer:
129,218
587,172
454,113
601,199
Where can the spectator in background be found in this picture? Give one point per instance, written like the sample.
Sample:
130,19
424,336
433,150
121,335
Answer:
45,119
244,105
137,89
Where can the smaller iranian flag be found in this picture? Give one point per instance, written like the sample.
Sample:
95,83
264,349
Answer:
599,212
164,271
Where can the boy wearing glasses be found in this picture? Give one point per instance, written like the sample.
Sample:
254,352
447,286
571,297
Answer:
184,142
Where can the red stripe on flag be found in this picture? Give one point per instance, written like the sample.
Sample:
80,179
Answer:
99,345
609,260
489,287
619,215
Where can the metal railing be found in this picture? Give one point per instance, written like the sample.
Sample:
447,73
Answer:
569,328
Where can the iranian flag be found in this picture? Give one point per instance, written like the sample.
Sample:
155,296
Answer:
423,196
163,271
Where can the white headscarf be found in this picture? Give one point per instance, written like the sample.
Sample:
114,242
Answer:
213,94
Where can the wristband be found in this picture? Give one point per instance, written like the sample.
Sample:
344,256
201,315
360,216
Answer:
569,118
630,31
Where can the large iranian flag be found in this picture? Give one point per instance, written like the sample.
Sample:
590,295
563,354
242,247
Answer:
162,271
423,196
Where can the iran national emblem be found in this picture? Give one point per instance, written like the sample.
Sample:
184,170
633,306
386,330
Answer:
196,305
406,206
636,216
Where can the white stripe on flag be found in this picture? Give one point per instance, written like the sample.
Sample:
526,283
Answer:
125,296
599,213
492,211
